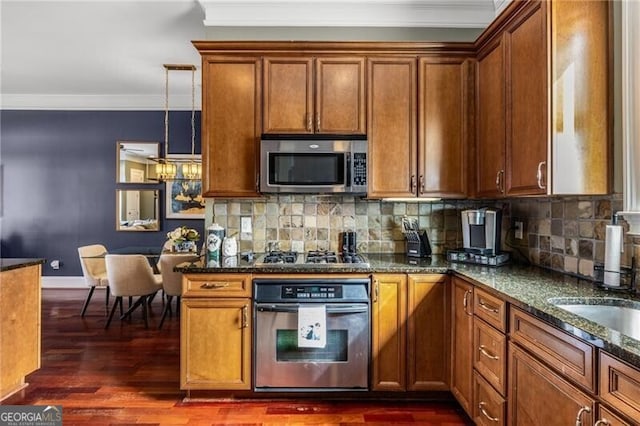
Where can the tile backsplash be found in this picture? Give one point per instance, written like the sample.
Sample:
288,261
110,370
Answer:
311,222
561,233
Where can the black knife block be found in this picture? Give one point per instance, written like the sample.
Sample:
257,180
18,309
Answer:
418,244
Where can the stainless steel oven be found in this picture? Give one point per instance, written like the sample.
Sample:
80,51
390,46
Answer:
281,363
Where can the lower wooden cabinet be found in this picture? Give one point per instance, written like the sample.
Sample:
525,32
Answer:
410,332
215,332
539,396
462,342
606,417
620,385
490,407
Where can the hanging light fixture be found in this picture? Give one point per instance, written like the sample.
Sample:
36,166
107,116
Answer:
165,169
193,169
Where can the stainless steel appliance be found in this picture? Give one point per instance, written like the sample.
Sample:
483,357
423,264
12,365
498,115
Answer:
280,364
481,231
314,164
314,257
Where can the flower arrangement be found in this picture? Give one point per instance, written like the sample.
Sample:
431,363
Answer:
182,234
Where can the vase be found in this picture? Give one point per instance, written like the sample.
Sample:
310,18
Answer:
185,247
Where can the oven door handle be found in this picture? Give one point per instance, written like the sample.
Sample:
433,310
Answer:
334,309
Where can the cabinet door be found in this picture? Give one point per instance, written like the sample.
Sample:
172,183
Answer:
340,96
215,344
527,138
538,396
428,333
490,92
462,343
442,127
230,125
391,127
288,95
389,340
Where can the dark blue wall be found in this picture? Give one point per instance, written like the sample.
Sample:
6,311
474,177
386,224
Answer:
58,177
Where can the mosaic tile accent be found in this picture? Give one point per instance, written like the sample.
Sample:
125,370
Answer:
566,233
311,222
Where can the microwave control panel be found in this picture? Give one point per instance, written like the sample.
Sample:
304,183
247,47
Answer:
360,169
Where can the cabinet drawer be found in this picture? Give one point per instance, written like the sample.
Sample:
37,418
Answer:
490,308
489,354
620,385
216,285
564,353
607,418
490,406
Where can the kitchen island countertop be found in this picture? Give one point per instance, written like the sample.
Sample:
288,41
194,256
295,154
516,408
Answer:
528,287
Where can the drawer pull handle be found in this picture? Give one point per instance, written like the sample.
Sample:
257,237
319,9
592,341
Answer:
245,316
582,410
602,422
375,291
484,412
214,285
483,351
488,308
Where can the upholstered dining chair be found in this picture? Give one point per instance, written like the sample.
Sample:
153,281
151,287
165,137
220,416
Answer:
172,281
94,272
130,275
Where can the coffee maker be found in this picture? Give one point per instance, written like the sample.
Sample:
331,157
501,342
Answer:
481,231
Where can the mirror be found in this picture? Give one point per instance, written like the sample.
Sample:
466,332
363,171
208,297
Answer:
137,210
135,162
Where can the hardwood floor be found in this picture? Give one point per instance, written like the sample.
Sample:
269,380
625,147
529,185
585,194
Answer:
130,375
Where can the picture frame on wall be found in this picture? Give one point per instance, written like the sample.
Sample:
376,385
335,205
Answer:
183,197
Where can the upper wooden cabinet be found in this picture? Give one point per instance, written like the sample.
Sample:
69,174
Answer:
443,123
231,125
391,126
314,95
521,83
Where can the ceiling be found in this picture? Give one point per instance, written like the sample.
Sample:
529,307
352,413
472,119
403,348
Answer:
94,54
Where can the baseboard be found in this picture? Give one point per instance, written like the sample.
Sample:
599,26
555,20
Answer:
63,282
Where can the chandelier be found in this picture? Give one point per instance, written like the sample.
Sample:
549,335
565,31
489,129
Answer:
167,169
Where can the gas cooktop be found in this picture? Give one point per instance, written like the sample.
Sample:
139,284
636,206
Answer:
314,257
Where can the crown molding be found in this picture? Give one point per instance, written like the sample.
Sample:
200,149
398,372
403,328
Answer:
349,13
94,102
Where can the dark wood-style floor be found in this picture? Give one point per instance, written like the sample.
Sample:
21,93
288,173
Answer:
130,375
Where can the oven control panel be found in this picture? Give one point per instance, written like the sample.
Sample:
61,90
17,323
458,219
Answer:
311,292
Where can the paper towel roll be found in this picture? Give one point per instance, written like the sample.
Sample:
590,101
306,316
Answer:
613,245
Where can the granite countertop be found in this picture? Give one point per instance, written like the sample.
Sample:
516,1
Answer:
7,264
527,287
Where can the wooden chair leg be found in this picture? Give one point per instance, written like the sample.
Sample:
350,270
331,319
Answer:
106,300
113,309
144,311
165,311
86,302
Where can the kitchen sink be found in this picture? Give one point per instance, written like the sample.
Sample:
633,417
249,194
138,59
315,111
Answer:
617,314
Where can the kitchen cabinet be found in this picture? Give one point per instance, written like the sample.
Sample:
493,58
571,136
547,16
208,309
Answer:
518,80
443,122
20,326
620,385
461,342
314,95
215,332
231,125
391,126
410,332
539,396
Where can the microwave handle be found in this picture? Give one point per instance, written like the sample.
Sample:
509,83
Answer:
349,182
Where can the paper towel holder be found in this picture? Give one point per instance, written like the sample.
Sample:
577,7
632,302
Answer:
627,277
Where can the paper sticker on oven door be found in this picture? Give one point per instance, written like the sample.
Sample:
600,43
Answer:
312,326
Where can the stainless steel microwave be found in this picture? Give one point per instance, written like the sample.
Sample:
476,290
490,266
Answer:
313,164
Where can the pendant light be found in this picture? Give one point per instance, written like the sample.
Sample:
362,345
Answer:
193,169
166,169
